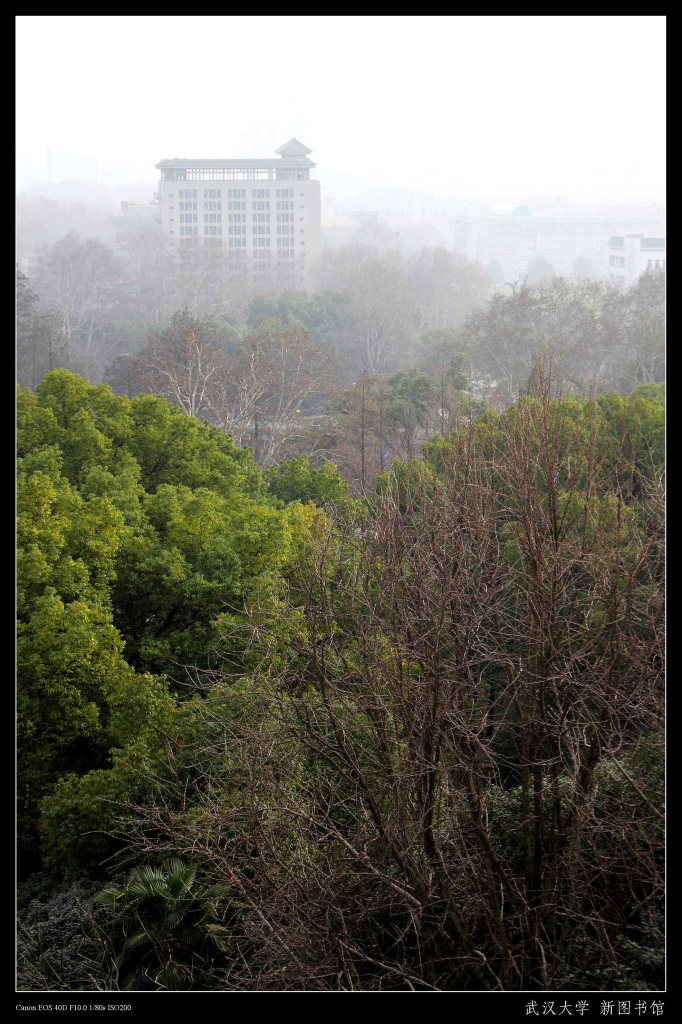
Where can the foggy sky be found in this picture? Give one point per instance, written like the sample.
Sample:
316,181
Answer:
570,106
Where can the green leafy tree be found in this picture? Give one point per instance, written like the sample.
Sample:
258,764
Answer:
318,310
138,528
410,406
294,480
196,558
440,354
538,270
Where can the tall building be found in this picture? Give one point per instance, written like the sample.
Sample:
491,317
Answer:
263,213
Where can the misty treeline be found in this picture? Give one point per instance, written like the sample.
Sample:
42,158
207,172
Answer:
274,737
382,351
105,305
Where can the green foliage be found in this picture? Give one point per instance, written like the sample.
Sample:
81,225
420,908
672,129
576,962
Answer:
197,554
173,448
409,398
404,478
539,270
69,654
319,310
440,353
137,527
167,918
634,430
296,481
155,742
619,437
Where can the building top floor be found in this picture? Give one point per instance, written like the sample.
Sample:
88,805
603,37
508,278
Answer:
638,242
293,165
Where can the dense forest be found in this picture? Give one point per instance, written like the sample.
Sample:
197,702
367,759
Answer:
340,625
276,736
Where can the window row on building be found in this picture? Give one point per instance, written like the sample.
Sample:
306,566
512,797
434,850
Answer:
235,193
237,237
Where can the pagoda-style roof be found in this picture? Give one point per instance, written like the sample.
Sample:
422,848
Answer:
293,148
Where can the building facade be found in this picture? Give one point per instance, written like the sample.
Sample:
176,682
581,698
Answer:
630,256
519,238
264,214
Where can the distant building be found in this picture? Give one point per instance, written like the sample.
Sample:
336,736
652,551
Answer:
516,238
136,220
263,213
630,256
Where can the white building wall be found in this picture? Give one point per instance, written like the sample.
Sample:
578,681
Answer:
270,224
634,256
514,241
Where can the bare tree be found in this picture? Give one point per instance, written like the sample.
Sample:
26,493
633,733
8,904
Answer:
40,344
377,313
187,363
597,336
77,279
445,286
276,371
640,358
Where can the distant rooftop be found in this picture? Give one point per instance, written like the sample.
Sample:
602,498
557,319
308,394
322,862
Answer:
292,154
618,241
293,148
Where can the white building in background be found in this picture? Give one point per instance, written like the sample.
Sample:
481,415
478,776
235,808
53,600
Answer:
263,213
630,256
516,238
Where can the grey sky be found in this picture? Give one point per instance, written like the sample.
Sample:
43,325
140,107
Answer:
571,106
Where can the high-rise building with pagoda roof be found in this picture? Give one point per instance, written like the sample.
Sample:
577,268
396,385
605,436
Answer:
263,213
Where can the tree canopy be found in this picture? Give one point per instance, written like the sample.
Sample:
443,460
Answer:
138,527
